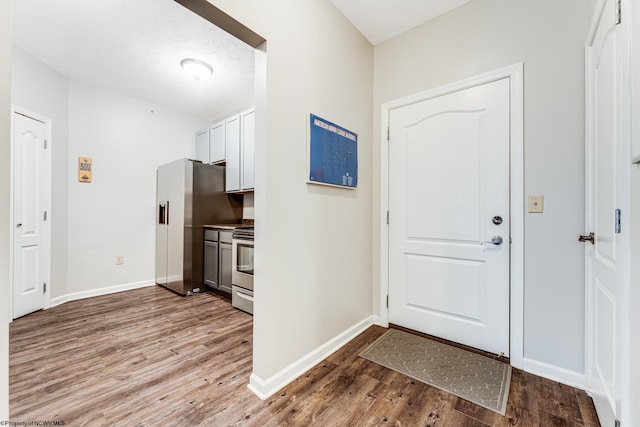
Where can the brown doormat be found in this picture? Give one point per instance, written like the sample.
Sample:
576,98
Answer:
471,376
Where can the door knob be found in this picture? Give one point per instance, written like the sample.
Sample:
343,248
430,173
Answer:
495,240
590,238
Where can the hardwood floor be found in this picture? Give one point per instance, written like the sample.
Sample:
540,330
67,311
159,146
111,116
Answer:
148,357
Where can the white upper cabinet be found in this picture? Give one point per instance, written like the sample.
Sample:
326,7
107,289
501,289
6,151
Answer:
233,141
248,135
232,137
217,143
202,146
241,144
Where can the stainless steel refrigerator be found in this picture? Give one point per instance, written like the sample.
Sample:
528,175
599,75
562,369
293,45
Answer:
189,195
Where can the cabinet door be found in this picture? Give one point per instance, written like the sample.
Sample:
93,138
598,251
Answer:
217,143
232,139
202,146
211,264
226,267
248,149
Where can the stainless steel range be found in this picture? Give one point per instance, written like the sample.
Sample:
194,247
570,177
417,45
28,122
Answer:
242,274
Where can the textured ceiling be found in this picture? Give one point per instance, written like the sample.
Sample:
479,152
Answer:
381,20
135,47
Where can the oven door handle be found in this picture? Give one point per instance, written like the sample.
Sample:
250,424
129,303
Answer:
245,296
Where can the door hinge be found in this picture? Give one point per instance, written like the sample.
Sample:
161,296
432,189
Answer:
617,424
387,300
44,288
618,222
45,144
387,217
44,217
618,12
388,133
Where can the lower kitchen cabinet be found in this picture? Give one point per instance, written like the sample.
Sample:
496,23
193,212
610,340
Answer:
225,267
211,263
218,260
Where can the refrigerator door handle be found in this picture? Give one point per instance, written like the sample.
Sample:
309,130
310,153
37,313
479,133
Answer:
163,213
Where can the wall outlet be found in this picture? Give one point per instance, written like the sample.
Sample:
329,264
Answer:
119,260
536,204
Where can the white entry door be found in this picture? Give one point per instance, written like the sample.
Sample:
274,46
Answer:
449,228
605,253
30,234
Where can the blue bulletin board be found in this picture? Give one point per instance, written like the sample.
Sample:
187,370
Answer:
333,154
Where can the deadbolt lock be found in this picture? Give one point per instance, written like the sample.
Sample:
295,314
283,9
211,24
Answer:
497,220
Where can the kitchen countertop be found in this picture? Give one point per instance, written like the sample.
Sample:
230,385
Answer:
223,226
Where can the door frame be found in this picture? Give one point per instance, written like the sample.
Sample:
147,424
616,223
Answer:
47,204
515,74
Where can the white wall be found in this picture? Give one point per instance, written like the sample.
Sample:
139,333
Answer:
114,215
313,244
548,36
94,223
43,91
5,102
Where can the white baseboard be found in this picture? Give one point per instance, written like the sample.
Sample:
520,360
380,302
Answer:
265,388
555,373
100,291
380,321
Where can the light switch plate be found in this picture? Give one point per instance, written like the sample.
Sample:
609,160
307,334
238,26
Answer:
536,204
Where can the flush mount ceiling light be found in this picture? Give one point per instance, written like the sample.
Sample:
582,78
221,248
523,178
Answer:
196,69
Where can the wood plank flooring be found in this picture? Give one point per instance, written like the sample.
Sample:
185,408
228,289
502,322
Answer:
148,357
